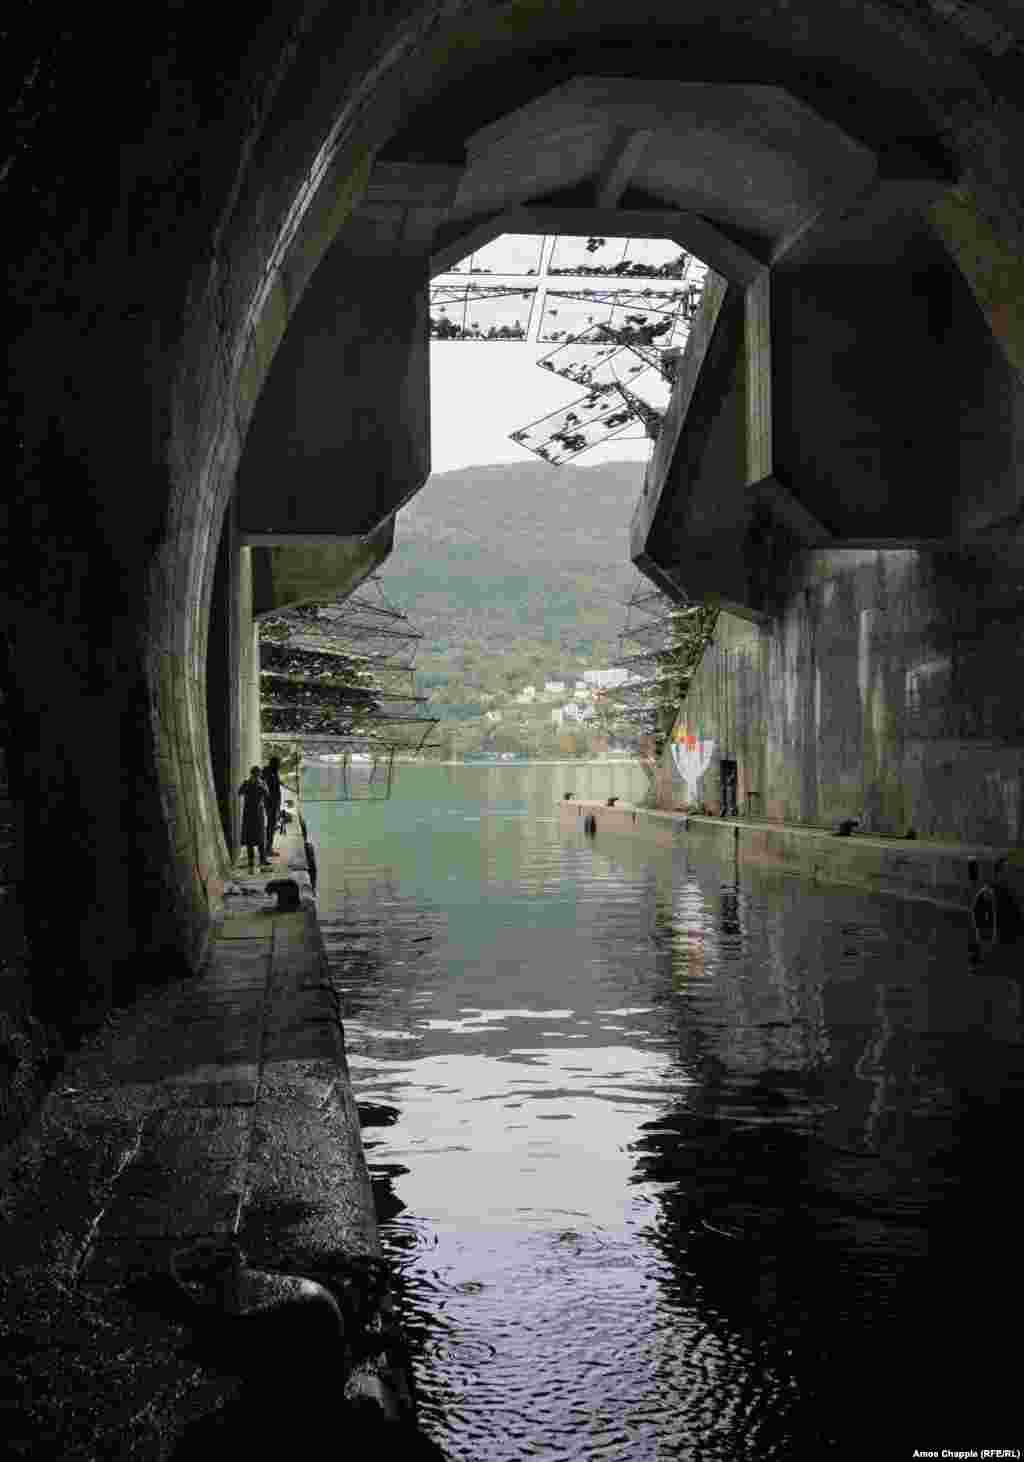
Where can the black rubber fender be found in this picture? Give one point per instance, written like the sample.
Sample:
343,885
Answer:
995,917
590,824
287,892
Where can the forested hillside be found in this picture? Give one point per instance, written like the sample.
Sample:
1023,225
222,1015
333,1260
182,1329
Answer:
514,574
500,555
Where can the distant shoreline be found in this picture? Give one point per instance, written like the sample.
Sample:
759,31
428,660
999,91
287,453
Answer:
608,761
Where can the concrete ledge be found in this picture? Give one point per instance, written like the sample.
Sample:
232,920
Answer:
938,873
218,1112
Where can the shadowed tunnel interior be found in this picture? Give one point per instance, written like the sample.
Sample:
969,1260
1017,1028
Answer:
218,395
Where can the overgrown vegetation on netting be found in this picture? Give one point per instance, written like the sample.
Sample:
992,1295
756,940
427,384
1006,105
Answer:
662,643
342,672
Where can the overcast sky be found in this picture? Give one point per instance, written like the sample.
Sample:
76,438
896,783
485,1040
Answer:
480,392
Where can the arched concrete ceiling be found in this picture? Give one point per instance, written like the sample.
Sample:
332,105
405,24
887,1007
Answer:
752,144
173,237
752,157
733,172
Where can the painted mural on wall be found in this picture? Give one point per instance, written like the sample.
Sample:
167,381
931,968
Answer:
691,756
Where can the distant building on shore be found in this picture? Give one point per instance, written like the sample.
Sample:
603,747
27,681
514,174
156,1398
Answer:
571,711
606,679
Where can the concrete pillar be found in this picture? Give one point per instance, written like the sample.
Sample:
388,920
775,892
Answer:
247,683
254,737
341,437
219,678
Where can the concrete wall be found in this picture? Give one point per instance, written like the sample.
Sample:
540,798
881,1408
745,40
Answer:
868,681
699,526
301,571
342,435
159,248
885,690
250,740
895,411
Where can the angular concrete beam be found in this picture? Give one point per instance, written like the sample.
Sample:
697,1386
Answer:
717,250
787,509
409,201
414,184
624,155
457,241
287,574
919,545
897,191
687,375
340,436
757,325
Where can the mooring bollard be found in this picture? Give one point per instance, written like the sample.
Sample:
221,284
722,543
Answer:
287,891
995,915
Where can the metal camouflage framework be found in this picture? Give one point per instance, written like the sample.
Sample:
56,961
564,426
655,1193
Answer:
340,676
613,307
661,645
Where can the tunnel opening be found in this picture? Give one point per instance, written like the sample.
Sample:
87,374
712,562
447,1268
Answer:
518,323
246,257
282,226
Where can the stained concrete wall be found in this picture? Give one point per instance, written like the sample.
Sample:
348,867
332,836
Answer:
895,411
891,688
700,521
248,682
892,415
301,571
158,250
342,435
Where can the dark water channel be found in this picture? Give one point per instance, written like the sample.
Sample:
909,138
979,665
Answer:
672,1162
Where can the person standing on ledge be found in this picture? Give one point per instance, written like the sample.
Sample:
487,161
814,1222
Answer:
272,781
254,806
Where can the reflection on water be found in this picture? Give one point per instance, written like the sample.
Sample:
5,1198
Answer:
673,1162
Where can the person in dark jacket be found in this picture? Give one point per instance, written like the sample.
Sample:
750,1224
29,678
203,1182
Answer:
272,782
254,825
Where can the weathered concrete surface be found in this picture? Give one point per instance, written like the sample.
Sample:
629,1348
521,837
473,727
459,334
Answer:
934,872
890,688
218,1112
342,435
873,407
173,237
286,572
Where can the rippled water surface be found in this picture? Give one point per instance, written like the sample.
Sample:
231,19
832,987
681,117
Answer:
673,1160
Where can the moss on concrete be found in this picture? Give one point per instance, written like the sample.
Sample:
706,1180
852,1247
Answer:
994,273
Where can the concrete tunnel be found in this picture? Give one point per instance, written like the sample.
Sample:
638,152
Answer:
219,396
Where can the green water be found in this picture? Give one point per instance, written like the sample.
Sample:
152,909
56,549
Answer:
673,1159
447,831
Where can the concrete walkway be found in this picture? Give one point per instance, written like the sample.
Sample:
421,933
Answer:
212,1121
940,873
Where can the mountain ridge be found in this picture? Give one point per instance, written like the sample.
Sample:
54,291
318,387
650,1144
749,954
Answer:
501,552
